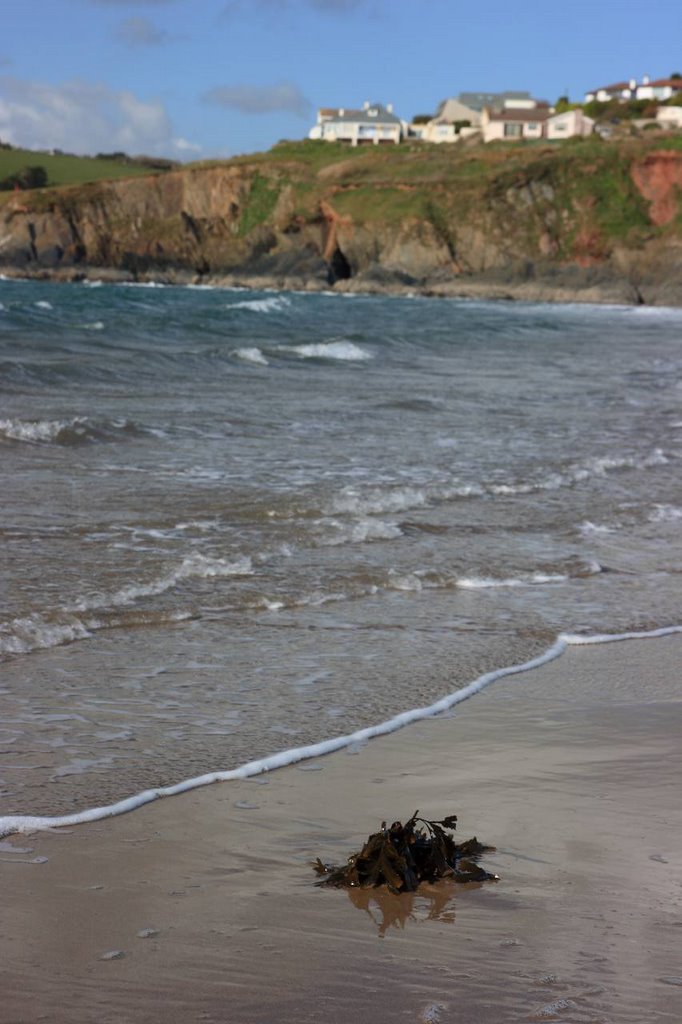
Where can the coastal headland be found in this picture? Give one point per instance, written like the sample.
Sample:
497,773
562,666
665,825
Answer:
586,220
203,906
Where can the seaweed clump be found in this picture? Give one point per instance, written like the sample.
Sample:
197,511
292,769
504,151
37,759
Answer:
403,856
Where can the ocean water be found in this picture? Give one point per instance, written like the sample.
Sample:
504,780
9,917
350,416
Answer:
235,524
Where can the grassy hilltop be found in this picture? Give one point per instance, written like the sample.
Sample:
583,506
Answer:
67,169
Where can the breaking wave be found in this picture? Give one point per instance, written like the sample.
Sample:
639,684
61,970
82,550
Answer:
77,621
77,430
375,501
335,532
341,351
665,514
273,304
251,355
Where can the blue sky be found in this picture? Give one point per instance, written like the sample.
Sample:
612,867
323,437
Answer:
200,78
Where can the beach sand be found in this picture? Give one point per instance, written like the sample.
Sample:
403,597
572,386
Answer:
571,770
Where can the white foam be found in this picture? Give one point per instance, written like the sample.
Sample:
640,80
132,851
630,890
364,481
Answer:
377,501
665,514
404,581
93,284
43,304
36,633
273,304
78,428
489,582
343,351
197,566
36,431
94,325
142,284
252,355
33,634
358,532
18,823
589,529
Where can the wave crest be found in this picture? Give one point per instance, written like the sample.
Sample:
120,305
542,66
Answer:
77,430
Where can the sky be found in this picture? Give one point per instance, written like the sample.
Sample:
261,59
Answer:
195,79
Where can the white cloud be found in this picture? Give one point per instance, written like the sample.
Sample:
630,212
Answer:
140,32
261,99
185,146
82,117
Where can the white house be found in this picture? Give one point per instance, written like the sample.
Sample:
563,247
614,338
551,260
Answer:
669,117
373,125
660,90
617,91
514,123
569,124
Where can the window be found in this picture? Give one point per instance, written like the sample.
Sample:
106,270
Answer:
512,131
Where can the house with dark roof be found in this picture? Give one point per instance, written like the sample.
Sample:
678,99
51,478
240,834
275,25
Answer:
514,123
375,124
617,91
659,90
495,101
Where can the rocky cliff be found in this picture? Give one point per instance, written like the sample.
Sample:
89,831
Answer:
590,220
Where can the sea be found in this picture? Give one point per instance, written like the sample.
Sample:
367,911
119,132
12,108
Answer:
243,528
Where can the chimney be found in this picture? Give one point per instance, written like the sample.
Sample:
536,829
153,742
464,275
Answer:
645,79
365,105
633,84
342,111
389,108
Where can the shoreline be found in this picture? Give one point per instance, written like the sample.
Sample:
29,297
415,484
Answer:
571,770
21,824
593,286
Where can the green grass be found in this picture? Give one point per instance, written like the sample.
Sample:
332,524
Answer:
67,170
371,203
259,205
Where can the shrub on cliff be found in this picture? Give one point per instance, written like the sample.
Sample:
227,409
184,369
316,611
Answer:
27,177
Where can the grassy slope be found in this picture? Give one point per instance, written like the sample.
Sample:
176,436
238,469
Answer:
579,182
67,170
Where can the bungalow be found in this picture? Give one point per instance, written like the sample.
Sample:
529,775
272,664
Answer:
373,125
452,122
495,101
661,89
669,117
568,124
618,91
514,123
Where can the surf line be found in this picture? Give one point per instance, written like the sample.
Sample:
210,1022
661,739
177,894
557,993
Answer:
13,824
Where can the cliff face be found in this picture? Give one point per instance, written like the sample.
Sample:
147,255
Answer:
594,222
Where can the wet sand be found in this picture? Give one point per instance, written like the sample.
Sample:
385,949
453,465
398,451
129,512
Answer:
572,771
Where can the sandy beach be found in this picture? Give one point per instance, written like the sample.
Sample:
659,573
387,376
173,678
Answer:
203,907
